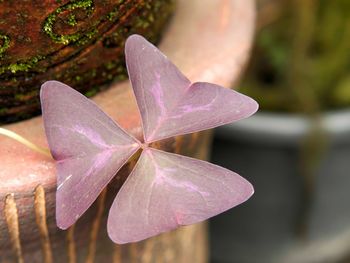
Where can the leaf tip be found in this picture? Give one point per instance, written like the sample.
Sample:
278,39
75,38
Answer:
254,105
248,191
113,235
62,224
133,40
50,86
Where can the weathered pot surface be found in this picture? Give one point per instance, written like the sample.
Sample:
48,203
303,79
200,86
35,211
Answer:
209,41
77,42
269,222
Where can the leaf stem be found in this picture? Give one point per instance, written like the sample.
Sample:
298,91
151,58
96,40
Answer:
24,141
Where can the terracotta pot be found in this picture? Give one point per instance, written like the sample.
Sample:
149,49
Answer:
209,41
78,42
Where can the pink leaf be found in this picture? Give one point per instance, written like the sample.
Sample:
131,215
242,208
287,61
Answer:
166,190
88,146
169,104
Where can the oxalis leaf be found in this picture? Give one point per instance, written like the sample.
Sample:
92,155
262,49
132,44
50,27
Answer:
164,190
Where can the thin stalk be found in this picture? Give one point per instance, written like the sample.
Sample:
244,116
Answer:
298,79
22,140
315,143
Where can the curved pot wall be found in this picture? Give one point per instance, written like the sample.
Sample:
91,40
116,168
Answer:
273,225
77,42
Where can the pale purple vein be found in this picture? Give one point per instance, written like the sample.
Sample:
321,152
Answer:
92,136
162,176
190,108
158,96
98,163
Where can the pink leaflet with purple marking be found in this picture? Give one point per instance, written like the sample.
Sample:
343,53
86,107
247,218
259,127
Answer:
169,104
89,148
165,191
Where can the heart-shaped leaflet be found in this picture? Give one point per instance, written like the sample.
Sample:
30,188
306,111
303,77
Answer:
164,190
88,146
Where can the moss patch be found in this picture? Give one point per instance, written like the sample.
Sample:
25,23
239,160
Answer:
4,43
86,5
96,51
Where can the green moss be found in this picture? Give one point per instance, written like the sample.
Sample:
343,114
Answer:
70,38
21,66
72,20
23,104
111,16
4,43
78,38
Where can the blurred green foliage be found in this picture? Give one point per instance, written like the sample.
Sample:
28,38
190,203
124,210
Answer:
301,59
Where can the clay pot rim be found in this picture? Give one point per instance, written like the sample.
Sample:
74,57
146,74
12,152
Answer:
227,26
278,129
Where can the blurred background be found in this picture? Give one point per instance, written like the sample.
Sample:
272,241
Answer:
296,150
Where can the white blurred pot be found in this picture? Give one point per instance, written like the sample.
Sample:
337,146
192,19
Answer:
265,149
